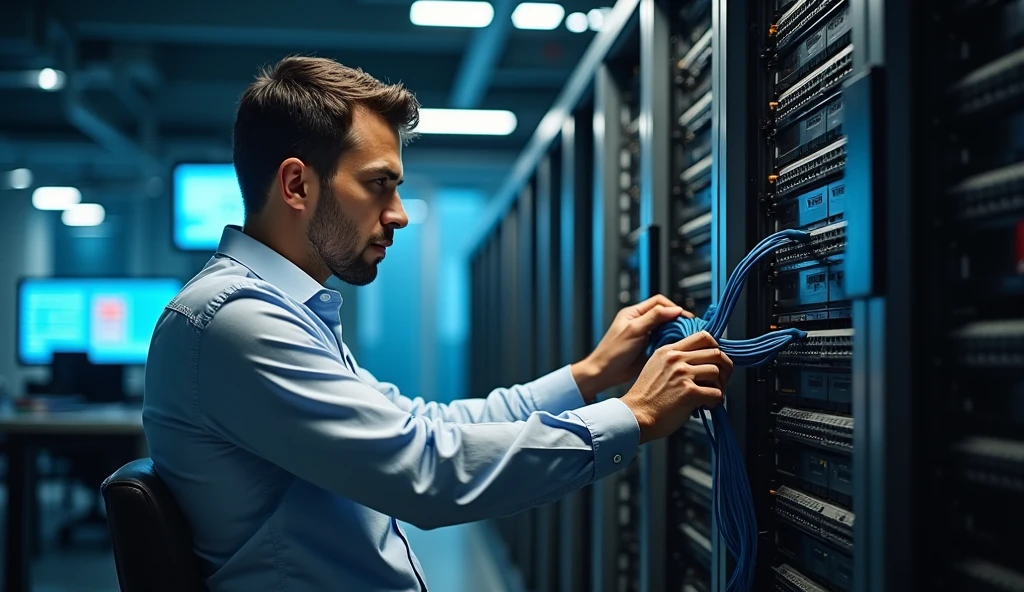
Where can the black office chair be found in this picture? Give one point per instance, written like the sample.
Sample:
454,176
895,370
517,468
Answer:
152,542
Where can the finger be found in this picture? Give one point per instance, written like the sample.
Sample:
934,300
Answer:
656,300
707,396
699,340
707,375
727,366
659,315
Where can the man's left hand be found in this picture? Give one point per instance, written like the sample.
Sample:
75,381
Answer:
619,357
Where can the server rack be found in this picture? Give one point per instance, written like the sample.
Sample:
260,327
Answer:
575,336
677,260
799,411
968,206
616,190
547,209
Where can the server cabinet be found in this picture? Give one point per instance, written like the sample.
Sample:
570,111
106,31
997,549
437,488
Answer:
962,119
574,339
545,347
616,283
677,160
799,415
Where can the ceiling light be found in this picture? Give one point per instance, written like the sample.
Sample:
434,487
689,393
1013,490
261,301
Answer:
88,214
438,13
595,18
416,209
577,22
538,16
50,79
55,198
469,122
19,179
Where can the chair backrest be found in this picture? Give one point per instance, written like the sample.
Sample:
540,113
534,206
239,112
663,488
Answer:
152,541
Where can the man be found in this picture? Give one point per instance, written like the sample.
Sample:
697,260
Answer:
292,463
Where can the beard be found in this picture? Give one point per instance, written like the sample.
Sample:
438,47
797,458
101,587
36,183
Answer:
334,239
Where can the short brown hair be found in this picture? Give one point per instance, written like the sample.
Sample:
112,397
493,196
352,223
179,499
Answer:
302,108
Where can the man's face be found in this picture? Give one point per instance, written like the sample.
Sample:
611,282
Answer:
358,211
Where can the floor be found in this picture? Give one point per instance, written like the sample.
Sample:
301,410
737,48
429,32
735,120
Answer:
454,559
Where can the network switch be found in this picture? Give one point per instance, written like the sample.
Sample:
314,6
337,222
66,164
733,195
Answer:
810,170
991,344
830,432
991,194
696,116
826,244
825,348
831,35
826,521
801,16
807,93
820,128
991,86
788,579
992,462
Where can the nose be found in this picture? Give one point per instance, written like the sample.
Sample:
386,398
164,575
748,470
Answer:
395,216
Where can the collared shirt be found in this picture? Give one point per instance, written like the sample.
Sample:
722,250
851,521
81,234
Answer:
293,465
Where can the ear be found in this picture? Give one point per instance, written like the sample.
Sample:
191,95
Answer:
294,179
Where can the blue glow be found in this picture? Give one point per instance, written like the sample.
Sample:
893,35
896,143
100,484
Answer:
111,320
206,199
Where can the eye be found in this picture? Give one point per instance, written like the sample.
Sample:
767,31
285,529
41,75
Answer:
381,181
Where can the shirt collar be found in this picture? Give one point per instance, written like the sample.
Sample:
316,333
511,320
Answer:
271,266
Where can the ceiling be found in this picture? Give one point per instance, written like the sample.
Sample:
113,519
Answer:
149,84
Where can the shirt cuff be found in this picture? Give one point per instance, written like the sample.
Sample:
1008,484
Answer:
615,435
556,392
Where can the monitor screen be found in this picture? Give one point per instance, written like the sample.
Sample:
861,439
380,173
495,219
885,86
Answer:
110,320
206,199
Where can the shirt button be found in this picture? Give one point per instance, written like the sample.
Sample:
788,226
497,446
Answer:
325,298
617,458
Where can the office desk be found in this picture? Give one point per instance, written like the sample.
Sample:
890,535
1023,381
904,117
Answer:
25,433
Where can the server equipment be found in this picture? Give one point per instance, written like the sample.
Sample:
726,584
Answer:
970,448
617,194
688,522
800,409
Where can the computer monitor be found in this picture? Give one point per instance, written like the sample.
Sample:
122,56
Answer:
111,320
206,199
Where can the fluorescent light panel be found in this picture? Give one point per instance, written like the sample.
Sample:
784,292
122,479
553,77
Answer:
88,214
538,16
19,179
56,198
467,122
577,22
439,13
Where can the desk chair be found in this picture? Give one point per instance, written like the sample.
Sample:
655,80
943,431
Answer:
152,542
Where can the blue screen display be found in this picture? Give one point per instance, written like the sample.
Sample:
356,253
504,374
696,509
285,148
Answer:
111,320
206,199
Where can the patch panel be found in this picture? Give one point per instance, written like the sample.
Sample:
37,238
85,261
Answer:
818,518
825,348
802,53
807,93
817,167
822,430
820,562
820,128
788,579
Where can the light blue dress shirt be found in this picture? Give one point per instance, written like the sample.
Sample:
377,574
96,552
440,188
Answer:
293,465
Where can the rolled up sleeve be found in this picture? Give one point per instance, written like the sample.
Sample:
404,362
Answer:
294,403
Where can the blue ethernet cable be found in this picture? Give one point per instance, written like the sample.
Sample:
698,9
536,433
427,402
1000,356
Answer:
732,503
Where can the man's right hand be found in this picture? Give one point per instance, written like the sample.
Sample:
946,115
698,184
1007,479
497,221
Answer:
677,379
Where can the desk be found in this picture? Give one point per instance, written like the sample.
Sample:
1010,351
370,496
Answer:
25,432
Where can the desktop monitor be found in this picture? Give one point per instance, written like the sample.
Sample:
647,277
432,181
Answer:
206,199
111,320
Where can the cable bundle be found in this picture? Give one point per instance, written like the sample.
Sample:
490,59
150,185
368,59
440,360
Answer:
733,505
